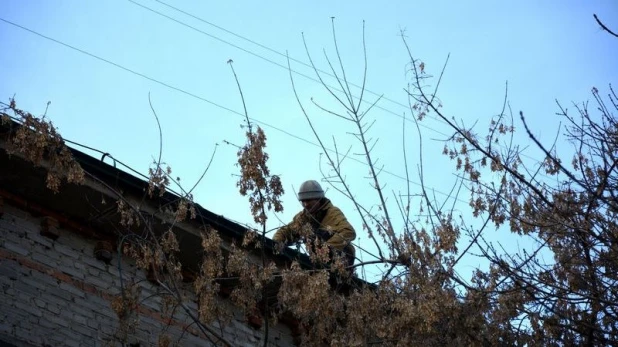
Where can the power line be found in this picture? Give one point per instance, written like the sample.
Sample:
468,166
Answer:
287,68
274,62
272,50
178,89
121,67
292,59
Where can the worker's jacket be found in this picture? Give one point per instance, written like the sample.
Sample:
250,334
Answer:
328,223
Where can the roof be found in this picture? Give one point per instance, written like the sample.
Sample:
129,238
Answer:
90,209
87,208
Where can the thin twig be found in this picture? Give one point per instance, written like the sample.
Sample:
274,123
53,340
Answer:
603,26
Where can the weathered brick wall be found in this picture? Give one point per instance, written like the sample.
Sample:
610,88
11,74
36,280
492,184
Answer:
55,293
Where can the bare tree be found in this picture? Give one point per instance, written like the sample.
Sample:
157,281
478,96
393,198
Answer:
565,208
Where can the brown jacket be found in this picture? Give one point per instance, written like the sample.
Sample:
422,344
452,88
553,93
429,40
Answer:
328,218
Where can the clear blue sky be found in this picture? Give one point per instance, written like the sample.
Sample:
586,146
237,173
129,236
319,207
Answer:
546,50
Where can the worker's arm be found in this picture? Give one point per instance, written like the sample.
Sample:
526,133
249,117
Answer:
342,238
286,233
342,230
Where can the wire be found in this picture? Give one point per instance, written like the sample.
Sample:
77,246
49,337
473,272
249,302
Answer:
287,68
121,67
274,51
294,60
178,89
276,63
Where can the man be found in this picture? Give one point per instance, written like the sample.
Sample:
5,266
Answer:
319,219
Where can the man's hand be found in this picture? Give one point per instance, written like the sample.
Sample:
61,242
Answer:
323,234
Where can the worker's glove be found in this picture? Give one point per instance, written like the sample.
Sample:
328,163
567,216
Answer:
323,234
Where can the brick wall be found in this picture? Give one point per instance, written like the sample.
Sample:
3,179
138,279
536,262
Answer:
55,293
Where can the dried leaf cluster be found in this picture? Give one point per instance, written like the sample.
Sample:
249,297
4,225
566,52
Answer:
38,141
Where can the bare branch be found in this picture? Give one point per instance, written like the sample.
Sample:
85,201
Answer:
603,26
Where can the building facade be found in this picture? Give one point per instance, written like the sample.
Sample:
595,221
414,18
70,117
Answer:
61,273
